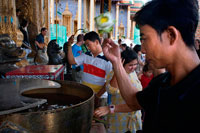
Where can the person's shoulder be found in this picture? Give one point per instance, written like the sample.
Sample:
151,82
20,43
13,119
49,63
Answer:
103,57
38,36
88,53
161,78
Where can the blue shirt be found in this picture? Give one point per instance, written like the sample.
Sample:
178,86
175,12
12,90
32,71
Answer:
39,39
76,50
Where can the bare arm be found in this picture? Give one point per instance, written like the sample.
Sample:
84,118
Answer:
70,55
120,108
40,45
127,90
101,91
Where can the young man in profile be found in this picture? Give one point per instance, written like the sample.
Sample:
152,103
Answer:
42,57
167,35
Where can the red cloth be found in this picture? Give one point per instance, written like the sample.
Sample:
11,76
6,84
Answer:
145,80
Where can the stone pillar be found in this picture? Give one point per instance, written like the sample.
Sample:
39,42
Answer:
91,15
79,15
128,23
52,11
132,30
85,16
36,20
47,18
8,21
94,14
117,21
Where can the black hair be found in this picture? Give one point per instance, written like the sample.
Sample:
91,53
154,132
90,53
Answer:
80,37
92,36
146,67
124,45
128,55
24,23
120,40
137,48
18,10
197,40
43,29
160,14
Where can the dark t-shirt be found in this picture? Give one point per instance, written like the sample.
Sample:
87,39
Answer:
172,109
26,38
39,39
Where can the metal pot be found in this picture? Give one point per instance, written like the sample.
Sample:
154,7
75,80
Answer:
74,118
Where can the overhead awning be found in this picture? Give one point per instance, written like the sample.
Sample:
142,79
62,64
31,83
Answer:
136,6
126,2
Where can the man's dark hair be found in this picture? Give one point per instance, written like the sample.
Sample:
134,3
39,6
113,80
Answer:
92,36
24,23
43,29
137,48
146,67
128,55
124,45
18,10
120,40
80,37
160,14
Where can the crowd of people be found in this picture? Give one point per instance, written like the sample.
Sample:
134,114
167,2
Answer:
160,89
96,71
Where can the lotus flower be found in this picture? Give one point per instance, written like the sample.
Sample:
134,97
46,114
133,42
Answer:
104,22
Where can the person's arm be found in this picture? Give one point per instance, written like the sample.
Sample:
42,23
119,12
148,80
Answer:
70,55
127,90
40,45
101,91
120,108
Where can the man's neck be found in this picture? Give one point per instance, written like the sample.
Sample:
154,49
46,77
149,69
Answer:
78,44
97,53
183,64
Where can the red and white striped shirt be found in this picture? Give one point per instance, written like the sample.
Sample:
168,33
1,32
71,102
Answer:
95,69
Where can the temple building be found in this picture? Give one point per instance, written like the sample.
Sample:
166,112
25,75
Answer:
80,14
69,14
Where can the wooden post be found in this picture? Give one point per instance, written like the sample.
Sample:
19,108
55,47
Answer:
56,18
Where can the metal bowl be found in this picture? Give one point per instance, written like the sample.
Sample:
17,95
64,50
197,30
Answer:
75,118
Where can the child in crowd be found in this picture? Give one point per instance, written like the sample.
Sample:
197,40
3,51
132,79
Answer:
147,76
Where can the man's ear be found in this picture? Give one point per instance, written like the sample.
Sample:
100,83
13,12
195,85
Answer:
173,34
97,42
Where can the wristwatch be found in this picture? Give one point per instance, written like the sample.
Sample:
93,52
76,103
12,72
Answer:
112,109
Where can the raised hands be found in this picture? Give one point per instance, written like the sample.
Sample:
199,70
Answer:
71,40
111,51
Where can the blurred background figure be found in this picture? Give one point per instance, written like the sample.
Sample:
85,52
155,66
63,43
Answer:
146,76
141,60
41,48
77,51
18,13
123,47
26,43
197,43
